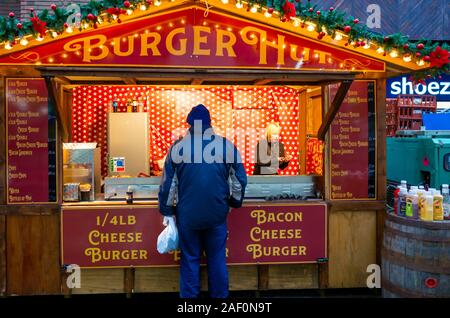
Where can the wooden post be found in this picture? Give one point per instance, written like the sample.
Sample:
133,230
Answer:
381,159
263,277
3,193
129,281
302,129
334,108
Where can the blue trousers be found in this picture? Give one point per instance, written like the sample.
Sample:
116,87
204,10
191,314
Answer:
192,243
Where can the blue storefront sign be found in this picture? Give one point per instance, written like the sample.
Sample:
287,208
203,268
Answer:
434,86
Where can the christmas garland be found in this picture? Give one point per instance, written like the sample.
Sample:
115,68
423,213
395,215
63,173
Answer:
329,22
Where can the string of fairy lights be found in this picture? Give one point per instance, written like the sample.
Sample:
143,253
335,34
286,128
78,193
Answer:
349,35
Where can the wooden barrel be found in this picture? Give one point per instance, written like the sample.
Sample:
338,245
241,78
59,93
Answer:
415,258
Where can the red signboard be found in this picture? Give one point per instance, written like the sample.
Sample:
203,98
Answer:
126,236
27,133
191,38
352,147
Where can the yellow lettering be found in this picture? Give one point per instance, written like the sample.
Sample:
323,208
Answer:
92,235
222,45
253,232
322,56
153,45
169,42
88,45
131,220
250,38
260,216
198,40
118,45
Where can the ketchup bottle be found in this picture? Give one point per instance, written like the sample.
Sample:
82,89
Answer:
396,192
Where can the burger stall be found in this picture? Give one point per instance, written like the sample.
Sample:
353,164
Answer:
89,113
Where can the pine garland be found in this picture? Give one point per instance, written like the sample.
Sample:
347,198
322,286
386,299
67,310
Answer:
327,22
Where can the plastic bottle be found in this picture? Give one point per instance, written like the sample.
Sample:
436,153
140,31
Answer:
446,201
438,212
129,196
427,208
402,202
404,184
396,192
412,204
115,104
421,194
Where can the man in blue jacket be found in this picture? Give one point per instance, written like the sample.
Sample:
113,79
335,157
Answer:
203,178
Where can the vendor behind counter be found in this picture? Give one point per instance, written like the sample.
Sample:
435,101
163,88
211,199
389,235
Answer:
270,153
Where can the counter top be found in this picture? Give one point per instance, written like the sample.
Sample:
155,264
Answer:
102,202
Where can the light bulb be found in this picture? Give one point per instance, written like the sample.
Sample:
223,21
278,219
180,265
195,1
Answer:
338,36
23,41
157,3
311,27
239,5
39,38
393,53
129,12
8,46
69,29
143,7
407,58
380,50
420,63
224,1
254,9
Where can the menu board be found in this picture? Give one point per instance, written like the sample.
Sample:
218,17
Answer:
31,146
352,147
114,236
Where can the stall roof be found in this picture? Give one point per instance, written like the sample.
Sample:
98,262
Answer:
33,52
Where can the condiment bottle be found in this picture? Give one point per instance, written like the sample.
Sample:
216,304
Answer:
130,195
412,204
427,208
115,104
446,201
134,104
438,213
402,202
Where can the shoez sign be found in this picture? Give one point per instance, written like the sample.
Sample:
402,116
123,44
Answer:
402,85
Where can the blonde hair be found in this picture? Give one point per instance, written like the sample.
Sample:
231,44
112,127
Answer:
272,128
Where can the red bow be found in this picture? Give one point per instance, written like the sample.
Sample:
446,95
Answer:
116,11
289,10
439,57
39,26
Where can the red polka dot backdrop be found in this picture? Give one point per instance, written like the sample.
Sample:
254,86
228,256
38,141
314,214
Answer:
238,113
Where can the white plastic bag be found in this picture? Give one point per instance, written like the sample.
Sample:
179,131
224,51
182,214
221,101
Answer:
168,239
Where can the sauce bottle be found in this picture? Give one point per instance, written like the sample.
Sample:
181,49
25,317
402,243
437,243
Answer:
438,213
115,104
412,204
402,202
130,195
427,208
446,201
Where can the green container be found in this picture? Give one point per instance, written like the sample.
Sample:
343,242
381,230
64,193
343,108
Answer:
419,160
